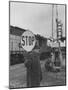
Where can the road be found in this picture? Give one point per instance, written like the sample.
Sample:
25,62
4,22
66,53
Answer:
17,76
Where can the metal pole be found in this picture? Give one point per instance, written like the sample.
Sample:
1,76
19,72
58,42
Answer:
60,54
52,19
56,12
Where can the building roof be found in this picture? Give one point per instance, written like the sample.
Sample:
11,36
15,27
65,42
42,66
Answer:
16,31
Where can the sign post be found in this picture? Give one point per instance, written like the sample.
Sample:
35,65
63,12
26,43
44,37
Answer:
32,61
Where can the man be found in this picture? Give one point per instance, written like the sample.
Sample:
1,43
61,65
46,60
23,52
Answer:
34,74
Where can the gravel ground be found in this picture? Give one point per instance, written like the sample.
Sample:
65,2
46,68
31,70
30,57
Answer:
17,77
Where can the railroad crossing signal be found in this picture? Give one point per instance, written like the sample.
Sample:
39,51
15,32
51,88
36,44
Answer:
59,29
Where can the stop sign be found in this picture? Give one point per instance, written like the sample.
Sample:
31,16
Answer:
28,41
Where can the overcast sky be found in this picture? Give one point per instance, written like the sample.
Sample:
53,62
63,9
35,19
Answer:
36,17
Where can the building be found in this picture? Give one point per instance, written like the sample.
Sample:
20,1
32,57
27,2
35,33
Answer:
15,38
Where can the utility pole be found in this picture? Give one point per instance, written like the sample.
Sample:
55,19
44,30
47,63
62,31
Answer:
52,23
56,21
52,19
59,31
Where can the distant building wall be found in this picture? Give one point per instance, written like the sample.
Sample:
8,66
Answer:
14,43
15,39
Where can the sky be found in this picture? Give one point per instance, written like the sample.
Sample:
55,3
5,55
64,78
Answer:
36,17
